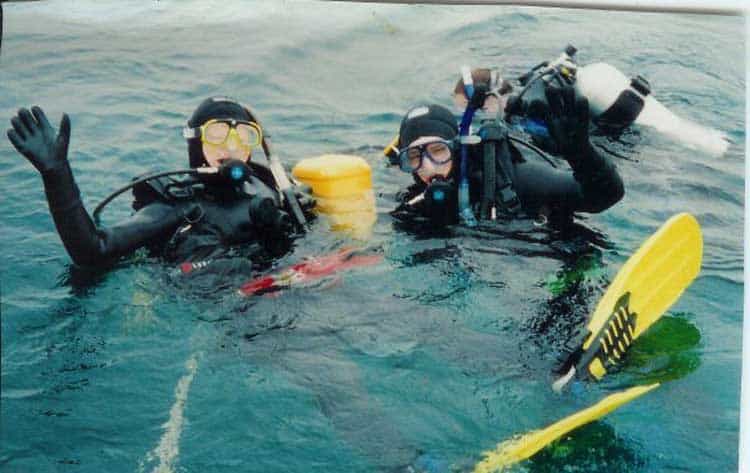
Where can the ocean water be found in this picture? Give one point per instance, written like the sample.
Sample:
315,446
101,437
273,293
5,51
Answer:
429,358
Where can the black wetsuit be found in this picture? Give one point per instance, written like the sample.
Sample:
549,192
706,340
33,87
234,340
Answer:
203,224
554,194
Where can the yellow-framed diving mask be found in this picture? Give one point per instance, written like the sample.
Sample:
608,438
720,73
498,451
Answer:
217,132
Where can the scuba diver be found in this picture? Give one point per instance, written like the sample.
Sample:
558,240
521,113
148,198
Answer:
491,174
616,102
224,200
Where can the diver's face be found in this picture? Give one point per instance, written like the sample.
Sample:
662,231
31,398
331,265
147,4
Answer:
439,162
230,149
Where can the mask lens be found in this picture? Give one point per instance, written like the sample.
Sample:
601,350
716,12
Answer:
249,134
410,159
216,133
439,153
415,157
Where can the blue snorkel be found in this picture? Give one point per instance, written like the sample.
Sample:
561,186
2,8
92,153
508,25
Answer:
465,215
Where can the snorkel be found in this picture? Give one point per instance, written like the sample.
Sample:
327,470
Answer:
465,215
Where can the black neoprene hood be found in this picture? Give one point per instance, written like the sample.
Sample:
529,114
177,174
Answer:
427,120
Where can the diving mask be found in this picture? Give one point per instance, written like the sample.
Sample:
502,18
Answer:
218,131
439,152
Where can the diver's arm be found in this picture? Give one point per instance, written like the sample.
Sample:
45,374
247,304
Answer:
597,184
88,245
593,186
600,183
35,139
601,186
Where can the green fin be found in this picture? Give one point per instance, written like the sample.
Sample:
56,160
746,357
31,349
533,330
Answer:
520,448
651,281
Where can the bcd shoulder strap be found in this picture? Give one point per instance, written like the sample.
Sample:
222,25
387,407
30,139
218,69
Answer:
497,185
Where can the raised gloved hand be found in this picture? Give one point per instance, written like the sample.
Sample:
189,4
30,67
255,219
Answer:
568,121
34,137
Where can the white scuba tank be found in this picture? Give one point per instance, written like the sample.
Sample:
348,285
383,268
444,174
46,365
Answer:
618,101
614,99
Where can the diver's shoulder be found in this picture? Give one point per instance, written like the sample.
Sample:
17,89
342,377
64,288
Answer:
524,151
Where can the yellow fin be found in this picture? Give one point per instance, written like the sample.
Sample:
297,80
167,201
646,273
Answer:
649,282
656,275
520,448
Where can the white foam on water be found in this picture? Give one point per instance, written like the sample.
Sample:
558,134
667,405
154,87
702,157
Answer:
169,445
690,134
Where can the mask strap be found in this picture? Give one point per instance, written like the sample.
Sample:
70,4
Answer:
190,133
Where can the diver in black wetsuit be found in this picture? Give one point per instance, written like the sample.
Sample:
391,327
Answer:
188,220
614,101
506,177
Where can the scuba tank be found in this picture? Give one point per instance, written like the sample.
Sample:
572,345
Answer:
614,101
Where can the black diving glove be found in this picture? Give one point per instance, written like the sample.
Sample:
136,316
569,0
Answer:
34,137
568,121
